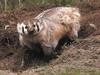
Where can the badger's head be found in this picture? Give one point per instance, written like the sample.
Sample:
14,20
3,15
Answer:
29,27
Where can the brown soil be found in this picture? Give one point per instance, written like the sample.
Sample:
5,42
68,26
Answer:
83,54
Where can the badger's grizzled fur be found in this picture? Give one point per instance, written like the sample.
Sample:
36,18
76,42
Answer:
49,27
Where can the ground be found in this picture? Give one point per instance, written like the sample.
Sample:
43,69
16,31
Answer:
79,58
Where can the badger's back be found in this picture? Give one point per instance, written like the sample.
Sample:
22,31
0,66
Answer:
59,13
68,17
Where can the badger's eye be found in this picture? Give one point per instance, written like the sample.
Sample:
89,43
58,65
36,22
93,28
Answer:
33,25
26,27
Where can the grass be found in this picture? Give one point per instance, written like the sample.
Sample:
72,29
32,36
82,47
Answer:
70,72
13,5
78,72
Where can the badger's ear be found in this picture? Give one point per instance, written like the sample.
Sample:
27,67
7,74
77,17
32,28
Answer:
35,20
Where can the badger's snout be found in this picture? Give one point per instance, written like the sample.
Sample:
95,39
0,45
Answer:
31,32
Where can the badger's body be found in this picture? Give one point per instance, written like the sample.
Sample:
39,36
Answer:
49,27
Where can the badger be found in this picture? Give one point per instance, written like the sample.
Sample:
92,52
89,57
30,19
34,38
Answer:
49,27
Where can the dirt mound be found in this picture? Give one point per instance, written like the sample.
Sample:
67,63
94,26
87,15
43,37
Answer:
94,3
89,21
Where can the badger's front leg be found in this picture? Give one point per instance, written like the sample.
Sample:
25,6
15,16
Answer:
20,58
19,65
49,49
48,52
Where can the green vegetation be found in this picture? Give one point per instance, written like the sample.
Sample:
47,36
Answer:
14,4
70,72
78,72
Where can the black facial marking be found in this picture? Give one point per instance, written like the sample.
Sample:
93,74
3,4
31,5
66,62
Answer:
33,25
26,27
23,29
38,28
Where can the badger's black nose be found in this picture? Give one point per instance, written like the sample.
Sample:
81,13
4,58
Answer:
31,32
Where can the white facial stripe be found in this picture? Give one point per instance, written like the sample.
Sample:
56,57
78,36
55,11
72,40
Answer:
25,30
21,28
39,26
